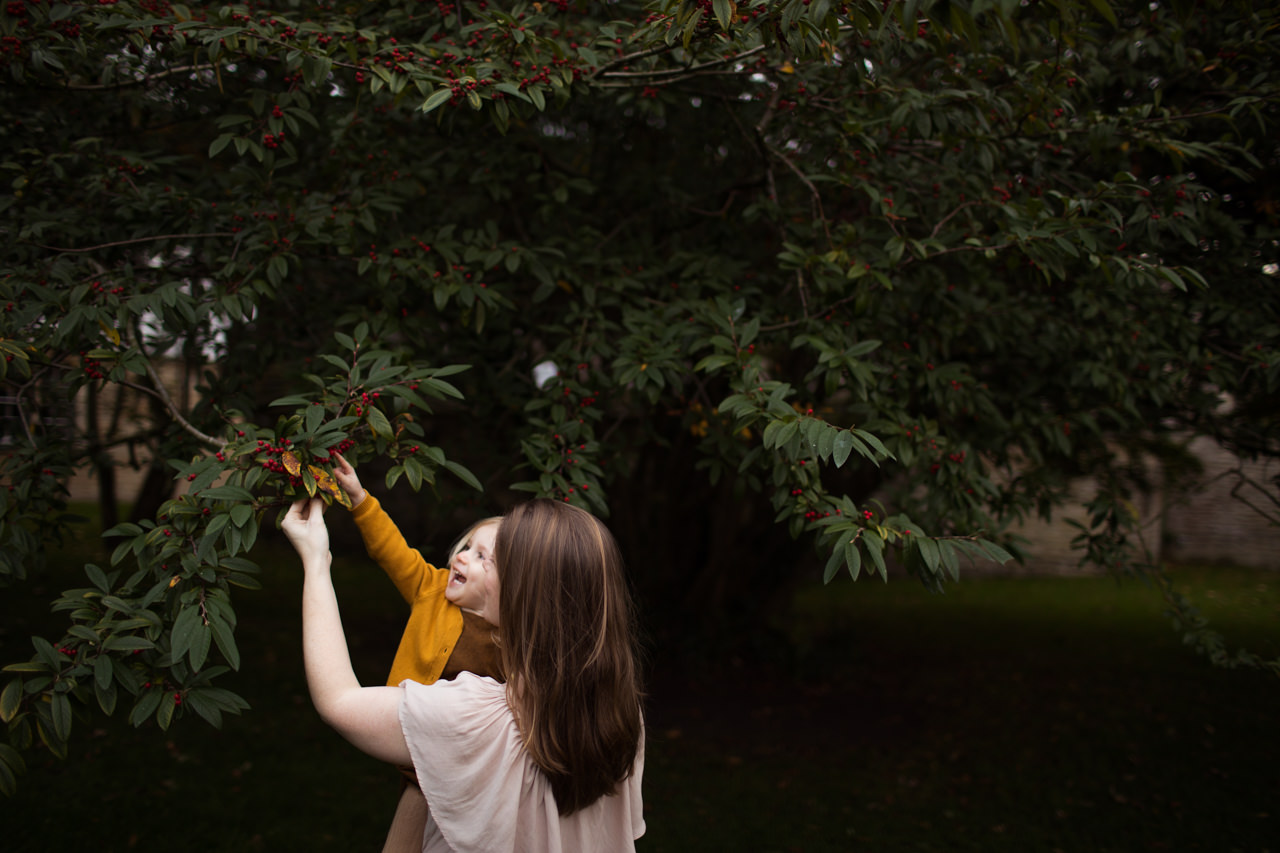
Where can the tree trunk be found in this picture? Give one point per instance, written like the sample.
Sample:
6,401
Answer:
156,488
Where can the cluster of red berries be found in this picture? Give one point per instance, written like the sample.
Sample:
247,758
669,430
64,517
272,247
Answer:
455,268
123,165
587,401
66,650
957,458
814,514
345,445
92,367
273,140
274,465
98,288
567,453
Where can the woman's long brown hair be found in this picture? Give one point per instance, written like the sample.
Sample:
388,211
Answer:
569,648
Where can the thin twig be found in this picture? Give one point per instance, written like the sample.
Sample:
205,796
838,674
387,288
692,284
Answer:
137,81
656,75
162,394
135,241
813,191
631,57
950,215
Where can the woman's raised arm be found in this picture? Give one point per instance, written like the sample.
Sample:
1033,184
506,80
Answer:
369,717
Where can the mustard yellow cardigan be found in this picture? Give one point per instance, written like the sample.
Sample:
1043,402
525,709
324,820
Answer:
435,623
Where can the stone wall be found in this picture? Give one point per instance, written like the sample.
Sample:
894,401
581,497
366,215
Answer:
1205,525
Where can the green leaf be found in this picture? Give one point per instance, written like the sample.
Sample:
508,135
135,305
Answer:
853,558
833,562
208,710
875,443
436,98
724,13
463,474
145,706
994,551
200,642
379,424
60,710
8,777
314,417
10,700
225,638
103,671
929,552
106,697
97,577
1104,9
228,493
185,628
241,514
164,710
841,446
126,643
220,142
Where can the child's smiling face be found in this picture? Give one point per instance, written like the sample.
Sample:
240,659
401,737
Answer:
473,575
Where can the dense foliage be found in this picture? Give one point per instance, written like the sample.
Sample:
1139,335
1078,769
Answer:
888,274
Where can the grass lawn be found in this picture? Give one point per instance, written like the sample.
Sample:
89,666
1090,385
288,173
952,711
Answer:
1032,714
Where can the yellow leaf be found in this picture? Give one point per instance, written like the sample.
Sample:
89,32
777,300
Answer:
291,463
328,485
111,333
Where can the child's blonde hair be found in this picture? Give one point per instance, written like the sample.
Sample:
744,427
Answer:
467,534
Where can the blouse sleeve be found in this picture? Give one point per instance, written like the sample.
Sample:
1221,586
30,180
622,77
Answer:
483,790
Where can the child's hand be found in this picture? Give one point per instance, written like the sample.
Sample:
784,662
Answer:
305,528
347,479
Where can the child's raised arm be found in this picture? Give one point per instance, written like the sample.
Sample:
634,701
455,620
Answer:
348,480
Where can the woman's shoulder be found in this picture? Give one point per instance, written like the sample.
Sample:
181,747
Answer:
467,703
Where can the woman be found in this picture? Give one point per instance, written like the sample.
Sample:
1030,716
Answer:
550,761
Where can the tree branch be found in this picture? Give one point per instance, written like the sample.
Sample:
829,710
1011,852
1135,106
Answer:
163,395
135,241
671,75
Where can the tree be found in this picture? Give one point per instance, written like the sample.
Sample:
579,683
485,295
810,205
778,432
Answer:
885,273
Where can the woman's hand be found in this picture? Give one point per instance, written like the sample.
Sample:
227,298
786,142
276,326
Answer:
348,480
305,528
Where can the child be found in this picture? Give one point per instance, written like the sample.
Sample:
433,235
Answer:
452,618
